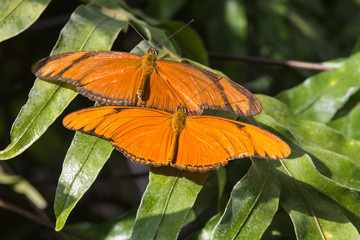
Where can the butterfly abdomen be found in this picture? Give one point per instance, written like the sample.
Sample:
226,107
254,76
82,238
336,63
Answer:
147,67
178,123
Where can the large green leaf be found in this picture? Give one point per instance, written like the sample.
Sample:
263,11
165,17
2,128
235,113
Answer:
325,166
253,200
319,97
18,15
338,159
166,202
317,213
88,29
84,160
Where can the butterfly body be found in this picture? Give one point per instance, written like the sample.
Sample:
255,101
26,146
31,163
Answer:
148,63
194,143
178,123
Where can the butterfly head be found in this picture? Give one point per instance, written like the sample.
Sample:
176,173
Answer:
149,60
182,108
152,51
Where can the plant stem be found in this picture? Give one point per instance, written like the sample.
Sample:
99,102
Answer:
33,217
286,63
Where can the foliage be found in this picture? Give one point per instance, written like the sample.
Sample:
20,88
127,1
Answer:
315,191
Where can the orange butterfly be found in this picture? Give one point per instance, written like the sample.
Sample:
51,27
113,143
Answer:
119,78
195,143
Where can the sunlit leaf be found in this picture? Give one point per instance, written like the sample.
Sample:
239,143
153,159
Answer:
83,162
252,205
166,202
319,97
18,15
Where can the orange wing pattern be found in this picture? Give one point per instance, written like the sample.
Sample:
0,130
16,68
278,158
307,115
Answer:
144,135
218,140
206,90
109,78
112,78
141,134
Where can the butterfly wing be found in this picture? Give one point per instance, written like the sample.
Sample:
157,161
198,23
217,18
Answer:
144,135
141,134
109,78
207,142
112,78
206,90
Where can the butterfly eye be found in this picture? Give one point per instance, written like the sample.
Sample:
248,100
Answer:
177,108
184,109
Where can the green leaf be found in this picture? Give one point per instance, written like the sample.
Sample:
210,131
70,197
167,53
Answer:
349,125
314,139
166,202
88,29
324,165
335,155
84,160
319,97
118,228
18,15
325,202
252,206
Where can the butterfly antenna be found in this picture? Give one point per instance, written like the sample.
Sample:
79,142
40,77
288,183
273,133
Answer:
175,32
202,90
137,31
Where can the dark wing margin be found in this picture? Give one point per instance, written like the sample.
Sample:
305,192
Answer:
202,89
107,77
141,134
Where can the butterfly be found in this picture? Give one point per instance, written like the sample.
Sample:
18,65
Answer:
187,142
119,78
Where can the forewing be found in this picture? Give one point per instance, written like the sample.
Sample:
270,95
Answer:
206,90
109,78
208,142
143,135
